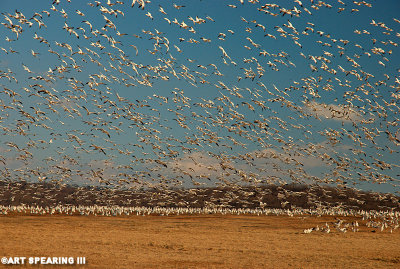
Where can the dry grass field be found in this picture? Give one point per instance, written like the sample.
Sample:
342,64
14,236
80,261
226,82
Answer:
204,241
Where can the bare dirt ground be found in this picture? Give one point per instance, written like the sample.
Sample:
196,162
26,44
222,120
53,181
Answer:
205,241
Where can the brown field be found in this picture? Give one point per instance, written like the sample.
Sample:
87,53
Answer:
205,241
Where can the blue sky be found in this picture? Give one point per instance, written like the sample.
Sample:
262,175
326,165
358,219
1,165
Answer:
267,117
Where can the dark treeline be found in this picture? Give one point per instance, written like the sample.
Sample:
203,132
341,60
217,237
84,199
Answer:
270,196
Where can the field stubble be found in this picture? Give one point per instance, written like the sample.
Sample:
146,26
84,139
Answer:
203,241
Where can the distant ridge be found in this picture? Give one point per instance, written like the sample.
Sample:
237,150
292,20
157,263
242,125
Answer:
269,196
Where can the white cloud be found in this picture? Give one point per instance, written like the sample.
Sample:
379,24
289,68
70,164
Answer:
267,165
344,113
198,163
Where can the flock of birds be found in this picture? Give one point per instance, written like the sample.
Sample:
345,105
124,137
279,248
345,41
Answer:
381,221
89,102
